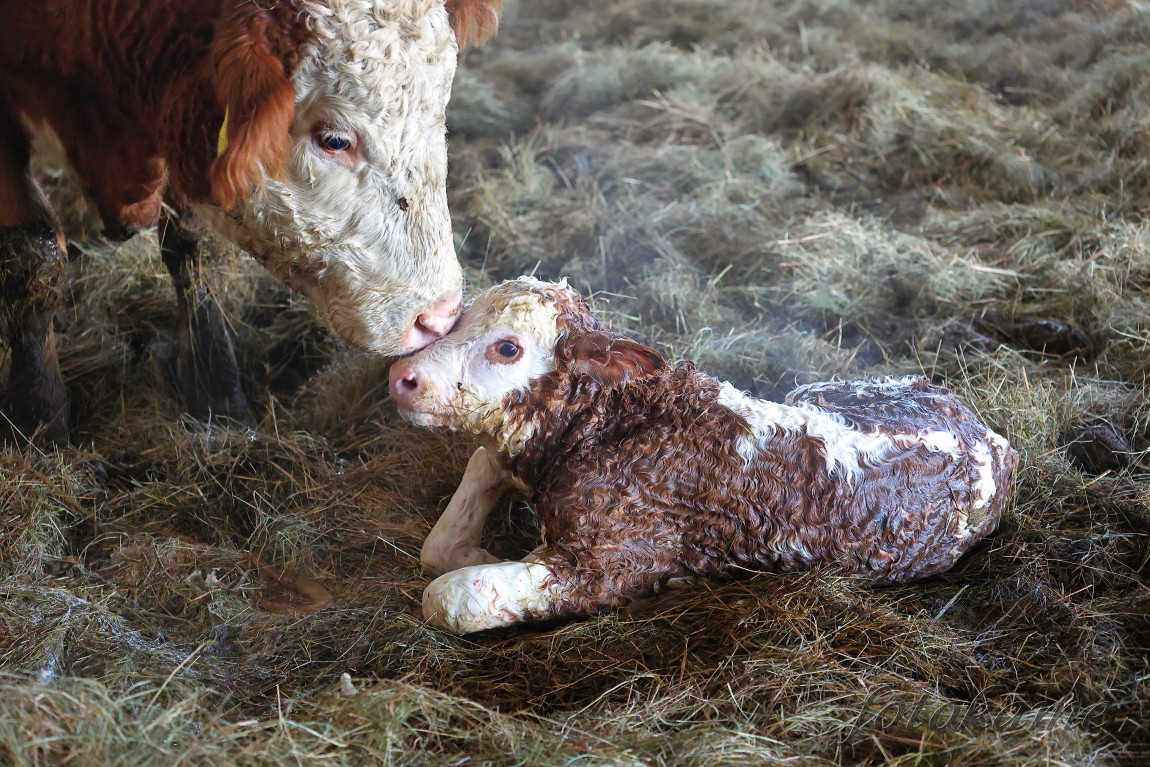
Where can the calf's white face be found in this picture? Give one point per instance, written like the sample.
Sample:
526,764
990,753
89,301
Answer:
504,341
358,220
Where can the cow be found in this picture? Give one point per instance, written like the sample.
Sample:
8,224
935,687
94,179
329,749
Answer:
309,132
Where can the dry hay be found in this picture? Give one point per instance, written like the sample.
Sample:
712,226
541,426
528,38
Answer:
782,191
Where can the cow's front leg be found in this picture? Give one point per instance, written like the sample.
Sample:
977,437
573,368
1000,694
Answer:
206,370
492,596
32,268
454,541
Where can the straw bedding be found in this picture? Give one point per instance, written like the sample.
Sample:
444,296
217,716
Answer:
782,191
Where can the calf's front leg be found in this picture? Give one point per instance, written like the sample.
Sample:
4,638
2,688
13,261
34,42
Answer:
454,541
593,574
492,596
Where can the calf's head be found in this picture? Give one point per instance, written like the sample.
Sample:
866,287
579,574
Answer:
332,163
520,340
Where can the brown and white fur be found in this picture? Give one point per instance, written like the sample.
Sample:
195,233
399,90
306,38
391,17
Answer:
644,475
309,132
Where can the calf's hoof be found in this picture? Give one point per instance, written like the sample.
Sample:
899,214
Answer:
490,596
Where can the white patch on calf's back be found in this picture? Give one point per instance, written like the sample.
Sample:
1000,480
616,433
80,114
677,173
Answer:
985,456
982,490
939,442
1000,442
984,487
846,450
861,389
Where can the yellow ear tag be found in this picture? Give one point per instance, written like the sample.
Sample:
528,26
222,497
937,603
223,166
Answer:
222,141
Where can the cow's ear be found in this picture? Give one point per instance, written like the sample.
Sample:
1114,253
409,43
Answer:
473,20
259,102
612,360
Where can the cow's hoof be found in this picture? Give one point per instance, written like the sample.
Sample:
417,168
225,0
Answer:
204,367
44,424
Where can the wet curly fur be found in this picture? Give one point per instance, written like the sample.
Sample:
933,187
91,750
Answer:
644,475
639,485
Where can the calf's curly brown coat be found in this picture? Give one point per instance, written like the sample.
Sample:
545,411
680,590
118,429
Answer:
643,475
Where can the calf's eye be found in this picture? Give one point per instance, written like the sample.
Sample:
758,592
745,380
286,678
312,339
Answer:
504,352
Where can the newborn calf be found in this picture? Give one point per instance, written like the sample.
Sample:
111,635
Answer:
644,476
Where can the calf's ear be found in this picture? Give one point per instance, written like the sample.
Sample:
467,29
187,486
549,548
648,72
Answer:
473,20
254,89
613,360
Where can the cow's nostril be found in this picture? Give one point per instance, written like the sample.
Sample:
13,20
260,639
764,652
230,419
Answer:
432,326
441,317
434,323
420,336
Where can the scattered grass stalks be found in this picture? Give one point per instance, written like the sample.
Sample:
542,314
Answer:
782,192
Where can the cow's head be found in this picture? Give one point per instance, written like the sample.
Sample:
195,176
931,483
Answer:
332,167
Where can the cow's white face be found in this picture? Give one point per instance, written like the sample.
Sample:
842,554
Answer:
358,221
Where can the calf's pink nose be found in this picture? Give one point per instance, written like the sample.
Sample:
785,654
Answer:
434,323
403,381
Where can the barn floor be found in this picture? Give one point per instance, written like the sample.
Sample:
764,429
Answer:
781,190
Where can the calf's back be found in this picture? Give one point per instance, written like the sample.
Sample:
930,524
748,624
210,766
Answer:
684,476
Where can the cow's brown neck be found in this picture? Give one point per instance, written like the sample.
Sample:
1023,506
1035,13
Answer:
130,90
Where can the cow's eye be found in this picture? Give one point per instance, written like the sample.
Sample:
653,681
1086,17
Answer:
334,142
504,351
